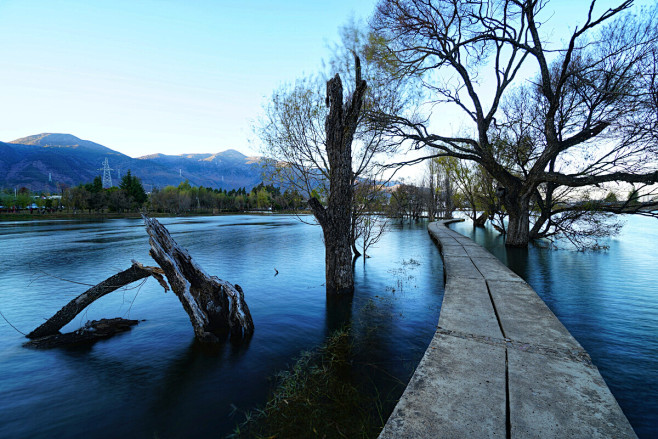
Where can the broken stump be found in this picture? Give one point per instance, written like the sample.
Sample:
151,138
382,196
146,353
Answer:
216,308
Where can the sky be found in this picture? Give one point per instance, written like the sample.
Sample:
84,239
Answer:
168,76
143,77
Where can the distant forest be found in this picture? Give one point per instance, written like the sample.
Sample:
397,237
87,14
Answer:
399,201
130,196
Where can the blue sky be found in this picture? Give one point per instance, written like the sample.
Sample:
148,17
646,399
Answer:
165,76
156,76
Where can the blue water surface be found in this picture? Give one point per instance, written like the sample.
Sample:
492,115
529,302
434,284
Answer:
156,381
608,300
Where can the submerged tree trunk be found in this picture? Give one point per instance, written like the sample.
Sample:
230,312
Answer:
136,272
354,234
215,307
480,221
336,218
92,332
518,228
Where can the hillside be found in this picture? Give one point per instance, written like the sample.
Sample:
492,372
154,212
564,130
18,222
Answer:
45,161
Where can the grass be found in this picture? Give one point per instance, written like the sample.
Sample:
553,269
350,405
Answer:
319,397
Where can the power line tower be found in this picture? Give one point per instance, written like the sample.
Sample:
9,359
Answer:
107,176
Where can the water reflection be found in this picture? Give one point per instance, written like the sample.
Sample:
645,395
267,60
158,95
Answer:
338,312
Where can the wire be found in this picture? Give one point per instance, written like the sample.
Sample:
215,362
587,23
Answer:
15,328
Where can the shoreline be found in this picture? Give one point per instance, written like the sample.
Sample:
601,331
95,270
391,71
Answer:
95,216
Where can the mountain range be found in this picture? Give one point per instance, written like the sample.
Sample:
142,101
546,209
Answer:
46,162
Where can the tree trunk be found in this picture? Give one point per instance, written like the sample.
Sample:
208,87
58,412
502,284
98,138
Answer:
136,272
215,307
336,218
537,226
339,272
355,251
480,221
518,228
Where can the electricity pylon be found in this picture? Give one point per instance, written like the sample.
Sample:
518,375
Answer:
107,176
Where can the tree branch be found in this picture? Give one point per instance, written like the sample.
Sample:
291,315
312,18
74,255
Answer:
589,180
136,272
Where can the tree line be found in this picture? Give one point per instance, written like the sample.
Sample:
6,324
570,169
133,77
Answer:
130,196
187,198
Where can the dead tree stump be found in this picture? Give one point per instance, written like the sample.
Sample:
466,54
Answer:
216,308
336,219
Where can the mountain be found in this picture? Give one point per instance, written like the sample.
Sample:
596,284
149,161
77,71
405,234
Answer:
228,169
50,140
44,161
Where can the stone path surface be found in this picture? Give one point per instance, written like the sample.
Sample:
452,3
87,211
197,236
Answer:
500,365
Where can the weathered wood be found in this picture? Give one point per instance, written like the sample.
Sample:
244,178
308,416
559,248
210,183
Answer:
215,307
136,272
90,333
336,218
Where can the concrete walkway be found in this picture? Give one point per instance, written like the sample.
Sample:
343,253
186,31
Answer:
501,364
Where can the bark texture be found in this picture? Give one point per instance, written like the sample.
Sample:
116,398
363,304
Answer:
216,308
336,218
136,272
518,228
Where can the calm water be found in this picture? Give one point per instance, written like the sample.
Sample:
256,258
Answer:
155,381
608,301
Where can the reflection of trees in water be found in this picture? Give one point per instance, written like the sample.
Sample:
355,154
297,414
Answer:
379,364
188,389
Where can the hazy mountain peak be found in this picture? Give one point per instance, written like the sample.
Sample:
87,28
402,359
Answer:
232,153
229,154
47,139
59,140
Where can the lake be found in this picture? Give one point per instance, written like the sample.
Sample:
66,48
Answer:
608,300
156,381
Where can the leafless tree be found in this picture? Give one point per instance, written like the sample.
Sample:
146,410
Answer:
585,107
367,226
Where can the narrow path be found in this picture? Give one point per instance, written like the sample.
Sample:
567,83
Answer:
500,365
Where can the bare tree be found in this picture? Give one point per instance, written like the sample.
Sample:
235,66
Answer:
367,225
317,160
372,228
590,99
